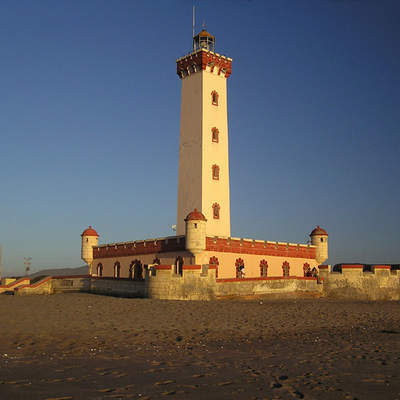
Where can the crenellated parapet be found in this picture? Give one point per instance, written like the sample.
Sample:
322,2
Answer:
259,247
359,281
140,247
202,60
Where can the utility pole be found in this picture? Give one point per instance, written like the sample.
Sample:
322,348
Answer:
27,262
1,264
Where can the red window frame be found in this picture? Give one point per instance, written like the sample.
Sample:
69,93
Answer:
306,267
286,269
263,268
214,261
215,135
239,263
216,208
215,172
214,98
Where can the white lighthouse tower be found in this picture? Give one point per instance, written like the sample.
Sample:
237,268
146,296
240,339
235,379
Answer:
203,177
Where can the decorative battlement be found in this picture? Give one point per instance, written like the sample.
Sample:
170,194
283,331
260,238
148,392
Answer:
259,247
359,269
138,247
201,60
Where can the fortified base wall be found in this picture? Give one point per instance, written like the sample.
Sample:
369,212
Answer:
56,284
199,282
194,282
353,282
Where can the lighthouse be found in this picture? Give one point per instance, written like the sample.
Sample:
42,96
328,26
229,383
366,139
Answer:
203,175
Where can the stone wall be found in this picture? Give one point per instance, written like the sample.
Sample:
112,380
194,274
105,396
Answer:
199,282
74,283
195,283
11,284
44,286
267,286
381,283
122,287
57,284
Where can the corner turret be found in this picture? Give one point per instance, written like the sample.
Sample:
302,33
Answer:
319,238
90,238
195,232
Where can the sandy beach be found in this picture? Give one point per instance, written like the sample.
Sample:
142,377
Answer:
82,346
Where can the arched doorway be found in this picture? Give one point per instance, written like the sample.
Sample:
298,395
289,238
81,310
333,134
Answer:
179,265
137,270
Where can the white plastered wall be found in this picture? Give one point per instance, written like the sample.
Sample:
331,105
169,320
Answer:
227,268
198,153
190,150
215,191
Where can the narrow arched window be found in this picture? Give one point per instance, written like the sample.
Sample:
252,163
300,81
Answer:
214,261
99,269
307,269
117,270
179,265
216,209
215,135
214,98
131,269
285,268
239,264
263,268
215,172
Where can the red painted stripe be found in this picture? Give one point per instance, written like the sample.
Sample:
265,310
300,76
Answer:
191,267
266,278
11,284
162,266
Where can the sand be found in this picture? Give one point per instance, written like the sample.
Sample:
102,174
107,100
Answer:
82,346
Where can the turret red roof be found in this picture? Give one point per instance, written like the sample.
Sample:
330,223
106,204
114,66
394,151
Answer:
89,232
195,215
319,231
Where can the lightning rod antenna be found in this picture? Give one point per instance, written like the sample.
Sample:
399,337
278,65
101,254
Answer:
193,25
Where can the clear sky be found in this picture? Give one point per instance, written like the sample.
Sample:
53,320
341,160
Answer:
89,122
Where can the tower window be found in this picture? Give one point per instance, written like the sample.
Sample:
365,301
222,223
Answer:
215,135
322,239
214,98
216,207
215,172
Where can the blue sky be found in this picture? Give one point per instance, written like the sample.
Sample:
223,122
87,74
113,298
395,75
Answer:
89,122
